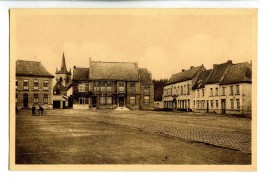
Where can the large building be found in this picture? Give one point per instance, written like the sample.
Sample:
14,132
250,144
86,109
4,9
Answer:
33,85
113,84
177,93
225,89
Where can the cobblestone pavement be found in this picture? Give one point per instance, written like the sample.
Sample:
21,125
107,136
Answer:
218,130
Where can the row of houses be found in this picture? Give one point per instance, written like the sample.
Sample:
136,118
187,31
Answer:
224,89
102,85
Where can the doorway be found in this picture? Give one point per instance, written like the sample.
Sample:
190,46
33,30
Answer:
94,101
25,100
223,106
121,101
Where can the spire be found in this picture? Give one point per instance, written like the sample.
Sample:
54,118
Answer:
63,65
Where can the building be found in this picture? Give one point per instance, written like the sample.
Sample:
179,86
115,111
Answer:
177,93
33,85
62,90
225,89
107,85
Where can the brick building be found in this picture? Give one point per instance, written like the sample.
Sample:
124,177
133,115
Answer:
112,84
33,85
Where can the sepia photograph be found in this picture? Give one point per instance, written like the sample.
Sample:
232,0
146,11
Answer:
133,89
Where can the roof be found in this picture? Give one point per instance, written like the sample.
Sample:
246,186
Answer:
63,69
31,68
113,71
184,76
80,74
60,87
218,72
144,76
202,78
238,73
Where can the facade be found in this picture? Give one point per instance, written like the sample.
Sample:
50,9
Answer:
225,89
62,95
178,90
108,85
33,85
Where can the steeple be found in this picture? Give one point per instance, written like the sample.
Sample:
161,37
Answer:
63,65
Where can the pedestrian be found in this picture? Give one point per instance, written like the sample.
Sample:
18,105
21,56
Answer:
33,110
41,110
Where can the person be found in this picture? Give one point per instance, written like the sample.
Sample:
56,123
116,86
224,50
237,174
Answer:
33,110
41,110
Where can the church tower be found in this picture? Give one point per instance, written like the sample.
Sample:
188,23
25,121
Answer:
63,76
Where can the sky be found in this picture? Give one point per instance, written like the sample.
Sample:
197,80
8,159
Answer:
164,41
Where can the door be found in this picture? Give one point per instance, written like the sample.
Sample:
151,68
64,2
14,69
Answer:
56,104
207,106
223,106
121,101
25,100
94,101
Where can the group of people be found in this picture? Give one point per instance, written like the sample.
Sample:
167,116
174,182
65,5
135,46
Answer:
41,109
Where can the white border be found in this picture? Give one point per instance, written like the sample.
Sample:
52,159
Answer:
107,179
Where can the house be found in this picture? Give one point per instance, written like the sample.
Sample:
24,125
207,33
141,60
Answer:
225,89
33,85
62,90
177,93
108,85
236,90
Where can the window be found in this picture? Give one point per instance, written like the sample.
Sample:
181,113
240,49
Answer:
81,88
132,87
25,84
194,104
45,98
96,86
102,86
198,93
60,79
45,85
184,89
121,86
231,104
203,104
217,104
35,98
198,104
36,84
237,90
109,100
216,89
211,103
188,89
178,90
132,100
238,104
231,90
211,92
146,100
146,90
16,84
83,100
181,90
203,92
102,100
109,86
223,91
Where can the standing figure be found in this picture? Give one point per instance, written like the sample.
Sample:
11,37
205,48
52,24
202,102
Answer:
33,110
41,110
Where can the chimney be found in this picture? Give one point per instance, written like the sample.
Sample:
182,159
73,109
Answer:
182,70
74,66
229,61
191,67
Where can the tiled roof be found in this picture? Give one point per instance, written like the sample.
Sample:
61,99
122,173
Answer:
144,76
185,75
113,71
31,68
80,74
218,72
238,73
200,83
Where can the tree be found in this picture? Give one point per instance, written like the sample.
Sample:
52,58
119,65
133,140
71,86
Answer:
158,88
